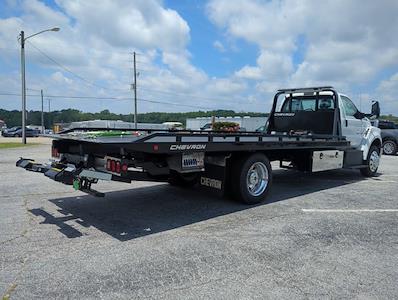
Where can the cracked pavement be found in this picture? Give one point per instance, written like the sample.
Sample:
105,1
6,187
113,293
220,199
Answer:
152,240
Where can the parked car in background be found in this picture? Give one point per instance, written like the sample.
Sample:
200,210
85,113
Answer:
389,134
9,131
3,125
17,132
2,129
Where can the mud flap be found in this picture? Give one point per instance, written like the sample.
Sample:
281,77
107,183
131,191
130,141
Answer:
213,179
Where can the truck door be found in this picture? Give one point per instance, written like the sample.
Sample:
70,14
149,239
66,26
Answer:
352,127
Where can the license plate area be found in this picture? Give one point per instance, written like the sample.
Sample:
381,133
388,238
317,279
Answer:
193,161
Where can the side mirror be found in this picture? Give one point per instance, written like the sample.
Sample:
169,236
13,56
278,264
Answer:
375,109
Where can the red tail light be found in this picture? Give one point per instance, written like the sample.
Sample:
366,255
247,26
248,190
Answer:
116,166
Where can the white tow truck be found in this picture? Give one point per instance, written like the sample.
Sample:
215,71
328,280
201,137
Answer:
308,129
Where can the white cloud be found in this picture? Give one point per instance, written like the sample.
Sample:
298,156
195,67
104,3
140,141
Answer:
344,43
386,94
219,46
225,86
96,42
60,78
140,23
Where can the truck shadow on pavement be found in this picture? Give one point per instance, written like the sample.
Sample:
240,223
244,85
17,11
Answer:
137,212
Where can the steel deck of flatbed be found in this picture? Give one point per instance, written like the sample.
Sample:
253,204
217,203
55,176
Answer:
160,142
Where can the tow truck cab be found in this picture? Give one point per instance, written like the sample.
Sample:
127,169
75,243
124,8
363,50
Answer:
327,112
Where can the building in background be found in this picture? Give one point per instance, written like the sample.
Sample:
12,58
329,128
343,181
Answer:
246,123
111,124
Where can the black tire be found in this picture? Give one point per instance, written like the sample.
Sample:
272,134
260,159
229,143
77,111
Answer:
372,162
183,180
240,180
390,147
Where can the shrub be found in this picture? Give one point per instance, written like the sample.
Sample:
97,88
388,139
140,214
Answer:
226,126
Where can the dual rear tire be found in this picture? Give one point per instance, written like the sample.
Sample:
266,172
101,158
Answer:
251,179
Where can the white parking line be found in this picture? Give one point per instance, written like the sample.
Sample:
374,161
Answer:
347,210
385,181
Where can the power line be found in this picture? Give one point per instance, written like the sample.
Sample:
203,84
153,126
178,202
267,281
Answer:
69,71
178,104
66,97
100,86
107,98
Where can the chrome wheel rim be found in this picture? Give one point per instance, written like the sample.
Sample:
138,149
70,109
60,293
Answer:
374,161
257,179
388,148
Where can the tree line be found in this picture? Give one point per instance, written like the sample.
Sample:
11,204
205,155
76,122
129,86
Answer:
13,117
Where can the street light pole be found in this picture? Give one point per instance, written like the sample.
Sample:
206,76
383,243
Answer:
22,36
23,39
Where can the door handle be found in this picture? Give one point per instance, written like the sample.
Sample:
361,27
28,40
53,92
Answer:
346,123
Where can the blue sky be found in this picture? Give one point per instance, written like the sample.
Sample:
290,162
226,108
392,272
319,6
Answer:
203,35
192,55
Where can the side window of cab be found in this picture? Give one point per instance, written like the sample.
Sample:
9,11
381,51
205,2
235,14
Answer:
349,107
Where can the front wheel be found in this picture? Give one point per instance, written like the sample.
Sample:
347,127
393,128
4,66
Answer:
389,147
372,162
251,179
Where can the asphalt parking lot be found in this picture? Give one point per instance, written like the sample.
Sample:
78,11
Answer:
329,235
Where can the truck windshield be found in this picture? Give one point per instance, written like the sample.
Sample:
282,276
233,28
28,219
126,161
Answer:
306,103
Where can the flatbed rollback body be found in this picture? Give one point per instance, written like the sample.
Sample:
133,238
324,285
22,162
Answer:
303,133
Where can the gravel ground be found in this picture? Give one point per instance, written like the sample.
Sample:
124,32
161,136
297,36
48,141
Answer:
329,235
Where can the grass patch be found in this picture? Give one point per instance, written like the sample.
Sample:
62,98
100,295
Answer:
15,145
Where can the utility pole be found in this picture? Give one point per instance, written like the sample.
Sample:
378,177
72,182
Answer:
22,37
22,40
135,92
42,112
49,105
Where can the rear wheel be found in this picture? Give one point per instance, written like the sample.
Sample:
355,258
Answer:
251,179
372,162
389,147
